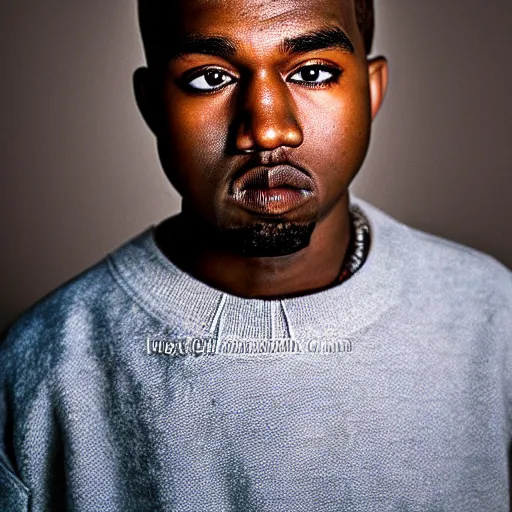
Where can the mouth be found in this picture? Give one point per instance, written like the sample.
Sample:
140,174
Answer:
273,190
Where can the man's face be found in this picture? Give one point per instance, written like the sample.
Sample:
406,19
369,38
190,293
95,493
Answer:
267,109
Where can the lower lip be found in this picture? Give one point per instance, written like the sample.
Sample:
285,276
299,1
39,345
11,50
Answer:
272,201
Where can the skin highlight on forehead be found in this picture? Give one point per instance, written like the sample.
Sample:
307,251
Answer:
268,11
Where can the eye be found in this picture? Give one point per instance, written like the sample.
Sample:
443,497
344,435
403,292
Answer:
211,80
315,75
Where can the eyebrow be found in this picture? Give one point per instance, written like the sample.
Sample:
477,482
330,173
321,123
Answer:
207,45
323,39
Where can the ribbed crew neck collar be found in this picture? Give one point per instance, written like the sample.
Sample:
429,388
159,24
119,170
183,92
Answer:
177,298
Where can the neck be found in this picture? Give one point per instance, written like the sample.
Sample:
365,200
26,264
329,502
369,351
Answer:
310,269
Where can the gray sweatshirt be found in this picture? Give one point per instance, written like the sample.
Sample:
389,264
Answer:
136,387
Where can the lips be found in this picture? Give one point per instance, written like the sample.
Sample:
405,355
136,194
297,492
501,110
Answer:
273,190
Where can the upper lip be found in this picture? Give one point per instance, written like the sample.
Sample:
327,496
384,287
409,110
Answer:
267,177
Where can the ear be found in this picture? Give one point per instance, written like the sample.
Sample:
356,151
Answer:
378,77
147,98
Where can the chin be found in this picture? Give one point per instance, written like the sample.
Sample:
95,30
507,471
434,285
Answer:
264,239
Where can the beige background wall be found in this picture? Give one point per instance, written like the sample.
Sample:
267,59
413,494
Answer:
79,172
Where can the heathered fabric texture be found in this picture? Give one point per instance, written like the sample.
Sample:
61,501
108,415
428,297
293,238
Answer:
390,392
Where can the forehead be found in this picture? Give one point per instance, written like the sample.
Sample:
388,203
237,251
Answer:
264,20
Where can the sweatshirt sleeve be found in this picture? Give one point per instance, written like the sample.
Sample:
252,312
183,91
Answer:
14,495
508,361
25,357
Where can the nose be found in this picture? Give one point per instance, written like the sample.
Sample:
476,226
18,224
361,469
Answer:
267,115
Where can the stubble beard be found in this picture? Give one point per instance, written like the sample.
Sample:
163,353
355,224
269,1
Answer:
268,239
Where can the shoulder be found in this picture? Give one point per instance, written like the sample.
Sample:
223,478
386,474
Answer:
462,270
434,264
455,259
35,340
475,287
74,315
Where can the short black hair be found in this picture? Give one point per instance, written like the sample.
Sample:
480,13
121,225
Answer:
152,15
366,22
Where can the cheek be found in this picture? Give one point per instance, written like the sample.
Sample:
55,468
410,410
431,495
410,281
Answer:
192,146
339,131
196,131
341,127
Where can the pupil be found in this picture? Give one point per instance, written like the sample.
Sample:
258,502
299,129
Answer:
311,74
214,78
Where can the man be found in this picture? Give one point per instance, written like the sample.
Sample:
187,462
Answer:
276,346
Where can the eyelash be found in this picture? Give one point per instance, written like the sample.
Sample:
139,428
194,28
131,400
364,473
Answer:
321,68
